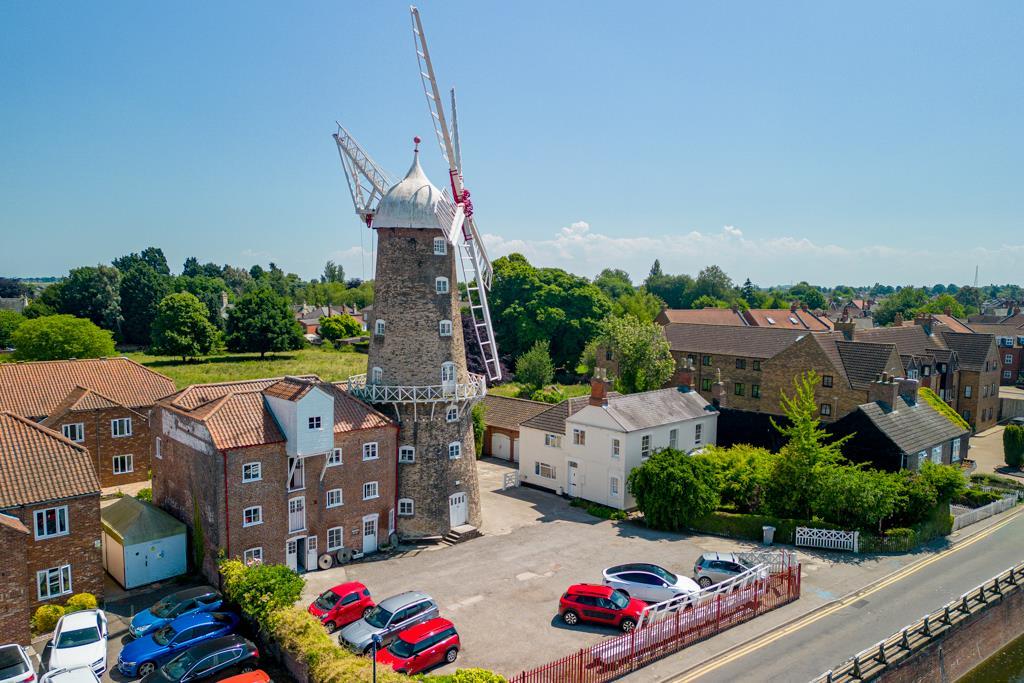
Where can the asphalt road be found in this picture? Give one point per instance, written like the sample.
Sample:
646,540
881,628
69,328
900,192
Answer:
824,639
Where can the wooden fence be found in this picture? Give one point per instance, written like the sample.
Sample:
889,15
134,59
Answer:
978,514
829,539
617,656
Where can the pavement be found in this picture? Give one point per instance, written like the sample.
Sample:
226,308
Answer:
987,451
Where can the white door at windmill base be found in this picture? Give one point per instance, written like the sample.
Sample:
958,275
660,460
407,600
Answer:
500,446
458,509
370,534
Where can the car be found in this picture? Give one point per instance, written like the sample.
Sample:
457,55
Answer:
142,655
711,568
648,582
257,676
80,639
220,657
600,604
80,674
339,606
422,647
395,614
1017,420
170,607
15,666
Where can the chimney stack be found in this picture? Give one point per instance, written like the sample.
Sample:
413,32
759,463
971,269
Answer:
908,389
897,320
718,390
792,306
924,320
846,326
684,376
599,388
948,311
884,390
803,306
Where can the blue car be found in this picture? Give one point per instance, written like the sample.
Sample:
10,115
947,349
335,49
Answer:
142,656
203,599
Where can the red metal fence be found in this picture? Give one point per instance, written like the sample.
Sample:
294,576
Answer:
614,657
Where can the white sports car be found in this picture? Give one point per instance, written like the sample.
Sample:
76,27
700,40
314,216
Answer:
648,582
80,639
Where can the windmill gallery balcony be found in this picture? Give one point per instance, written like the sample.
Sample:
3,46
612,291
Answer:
449,392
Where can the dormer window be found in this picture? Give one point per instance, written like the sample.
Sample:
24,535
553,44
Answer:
452,414
445,328
440,246
376,375
441,285
378,328
314,422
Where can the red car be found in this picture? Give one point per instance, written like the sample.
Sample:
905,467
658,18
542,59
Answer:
340,606
601,605
422,647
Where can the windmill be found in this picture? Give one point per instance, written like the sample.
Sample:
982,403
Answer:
368,183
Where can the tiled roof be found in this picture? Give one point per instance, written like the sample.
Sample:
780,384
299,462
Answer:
972,349
998,330
751,342
12,523
787,319
290,388
80,399
655,408
911,340
198,394
913,427
36,389
952,323
862,361
351,413
552,420
509,413
38,464
703,316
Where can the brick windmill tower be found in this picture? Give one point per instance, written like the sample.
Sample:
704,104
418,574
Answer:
417,360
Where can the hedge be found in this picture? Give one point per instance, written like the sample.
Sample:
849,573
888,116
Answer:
976,498
46,617
749,527
989,479
1013,445
598,510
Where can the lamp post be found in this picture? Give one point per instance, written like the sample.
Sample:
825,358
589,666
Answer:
376,644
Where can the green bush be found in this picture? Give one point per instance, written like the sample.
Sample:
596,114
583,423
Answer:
79,602
598,510
989,479
672,488
551,394
748,527
466,676
145,495
261,589
46,617
1013,445
976,498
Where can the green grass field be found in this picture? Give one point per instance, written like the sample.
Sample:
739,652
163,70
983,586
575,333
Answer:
328,364
512,390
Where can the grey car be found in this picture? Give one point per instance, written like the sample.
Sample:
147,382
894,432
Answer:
387,619
712,568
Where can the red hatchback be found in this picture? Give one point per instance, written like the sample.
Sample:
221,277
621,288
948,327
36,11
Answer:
422,647
601,605
340,606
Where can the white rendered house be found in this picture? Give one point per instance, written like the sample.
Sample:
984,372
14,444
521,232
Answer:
586,447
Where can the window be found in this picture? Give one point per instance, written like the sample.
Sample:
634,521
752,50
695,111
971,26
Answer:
448,373
553,440
613,486
673,438
705,384
452,414
1007,359
334,498
937,455
370,490
542,469
826,409
53,582
698,431
608,355
252,516
51,522
738,388
826,380
645,446
296,514
297,467
441,285
370,451
440,246
691,358
757,365
741,363
616,448
75,432
967,415
771,320
159,452
376,375
406,508
454,450
984,391
378,327
253,556
579,437
122,426
912,373
124,464
445,328
755,391
334,457
926,370
1007,374
406,454
706,360
252,471
314,422
967,391
335,538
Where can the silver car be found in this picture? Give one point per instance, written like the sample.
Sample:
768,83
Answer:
387,619
712,568
648,582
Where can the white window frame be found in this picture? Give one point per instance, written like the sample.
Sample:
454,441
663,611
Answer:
539,468
645,446
579,437
251,467
121,424
1008,359
315,422
553,440
334,504
74,431
63,575
954,454
406,454
448,372
454,450
379,326
373,488
967,391
451,414
257,516
616,449
370,451
440,246
298,475
301,500
376,375
698,433
251,556
339,533
441,285
61,517
613,486
444,328
1007,374
334,458
130,461
673,439
937,454
158,449
406,507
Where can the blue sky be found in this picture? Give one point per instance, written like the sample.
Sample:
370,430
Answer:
834,142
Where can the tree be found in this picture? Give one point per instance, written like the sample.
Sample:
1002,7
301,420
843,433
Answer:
852,496
713,282
655,269
638,303
181,327
9,322
705,301
93,292
673,489
479,428
11,288
262,321
1013,445
59,337
142,289
151,256
947,480
534,369
941,304
904,302
237,279
808,294
745,473
333,273
338,327
208,290
749,292
641,351
614,283
969,297
677,291
191,267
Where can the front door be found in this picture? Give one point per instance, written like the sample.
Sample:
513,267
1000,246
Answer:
574,468
291,555
370,534
311,552
458,509
300,555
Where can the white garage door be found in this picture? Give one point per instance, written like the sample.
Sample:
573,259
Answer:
501,446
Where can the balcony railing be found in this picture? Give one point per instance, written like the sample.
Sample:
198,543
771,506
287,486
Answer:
452,392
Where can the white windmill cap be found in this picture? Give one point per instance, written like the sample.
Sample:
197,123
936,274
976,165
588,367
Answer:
411,203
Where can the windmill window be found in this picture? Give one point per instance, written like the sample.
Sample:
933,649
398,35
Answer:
447,372
376,375
452,414
445,328
378,328
406,454
406,507
441,285
440,246
454,450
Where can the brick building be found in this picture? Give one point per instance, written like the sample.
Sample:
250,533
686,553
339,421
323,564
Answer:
15,594
103,404
279,470
49,518
1010,345
978,395
502,418
796,317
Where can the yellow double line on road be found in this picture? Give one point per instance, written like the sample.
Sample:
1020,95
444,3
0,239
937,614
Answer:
769,638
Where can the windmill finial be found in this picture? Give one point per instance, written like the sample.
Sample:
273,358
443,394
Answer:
416,141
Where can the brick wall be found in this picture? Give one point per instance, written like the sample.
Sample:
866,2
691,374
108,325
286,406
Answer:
103,446
981,408
16,590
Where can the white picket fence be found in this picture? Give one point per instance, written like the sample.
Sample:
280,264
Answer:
984,512
829,539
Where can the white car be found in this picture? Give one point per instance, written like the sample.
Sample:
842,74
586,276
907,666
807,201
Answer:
648,582
81,674
15,666
80,639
